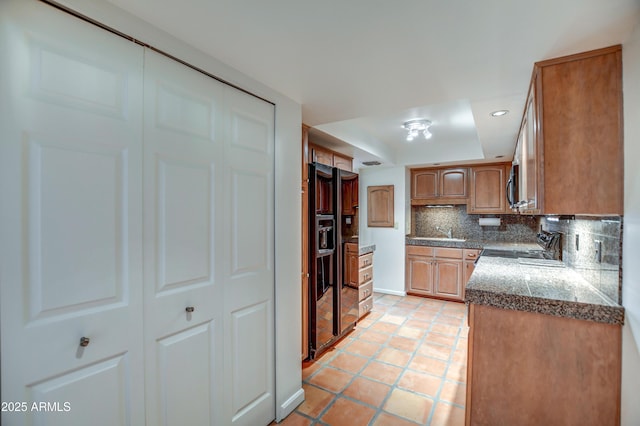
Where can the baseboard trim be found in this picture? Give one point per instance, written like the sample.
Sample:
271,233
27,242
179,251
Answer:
393,292
289,405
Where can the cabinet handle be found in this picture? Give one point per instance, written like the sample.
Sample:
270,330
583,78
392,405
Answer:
190,309
84,341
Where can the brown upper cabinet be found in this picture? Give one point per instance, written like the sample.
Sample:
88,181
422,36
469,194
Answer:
342,162
319,154
570,145
380,206
487,189
439,186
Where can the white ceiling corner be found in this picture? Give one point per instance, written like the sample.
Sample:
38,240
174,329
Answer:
360,68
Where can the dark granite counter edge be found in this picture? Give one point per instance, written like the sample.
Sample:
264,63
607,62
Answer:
366,249
435,243
582,311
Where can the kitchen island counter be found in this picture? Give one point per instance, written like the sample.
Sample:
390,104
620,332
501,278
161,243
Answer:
539,286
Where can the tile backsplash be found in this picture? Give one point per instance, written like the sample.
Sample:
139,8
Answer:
582,238
513,228
592,247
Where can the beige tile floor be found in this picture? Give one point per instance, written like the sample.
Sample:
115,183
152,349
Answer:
404,364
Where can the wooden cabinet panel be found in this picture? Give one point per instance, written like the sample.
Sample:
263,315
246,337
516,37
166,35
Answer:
365,260
321,156
439,186
358,273
365,275
488,186
448,278
419,274
436,271
365,290
453,183
543,369
380,206
351,264
365,306
470,256
424,184
570,141
342,162
446,252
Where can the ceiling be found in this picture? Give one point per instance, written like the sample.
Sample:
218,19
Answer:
360,68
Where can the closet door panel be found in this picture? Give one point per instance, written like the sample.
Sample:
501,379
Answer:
183,158
249,271
70,189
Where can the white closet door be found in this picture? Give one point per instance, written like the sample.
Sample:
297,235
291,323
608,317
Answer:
70,220
183,231
249,260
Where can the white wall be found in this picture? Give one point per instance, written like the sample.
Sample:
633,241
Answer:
631,233
288,312
388,259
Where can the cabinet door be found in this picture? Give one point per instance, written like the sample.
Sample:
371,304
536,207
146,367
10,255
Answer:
529,162
419,272
448,278
468,270
453,183
470,257
424,184
380,206
321,156
351,264
488,185
341,162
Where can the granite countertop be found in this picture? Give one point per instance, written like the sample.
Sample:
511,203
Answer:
366,249
468,244
528,285
362,248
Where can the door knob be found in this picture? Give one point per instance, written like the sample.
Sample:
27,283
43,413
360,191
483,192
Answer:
190,309
84,341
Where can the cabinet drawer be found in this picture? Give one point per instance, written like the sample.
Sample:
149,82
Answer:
419,250
365,260
365,290
365,275
470,254
365,306
351,248
449,253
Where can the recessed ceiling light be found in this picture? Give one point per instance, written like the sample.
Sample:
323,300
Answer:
499,113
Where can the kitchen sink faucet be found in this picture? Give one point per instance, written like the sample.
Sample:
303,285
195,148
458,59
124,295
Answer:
448,233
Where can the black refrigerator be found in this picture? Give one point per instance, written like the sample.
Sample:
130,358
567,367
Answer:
333,305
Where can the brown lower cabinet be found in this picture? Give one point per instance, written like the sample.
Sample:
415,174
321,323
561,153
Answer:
534,369
358,273
440,272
